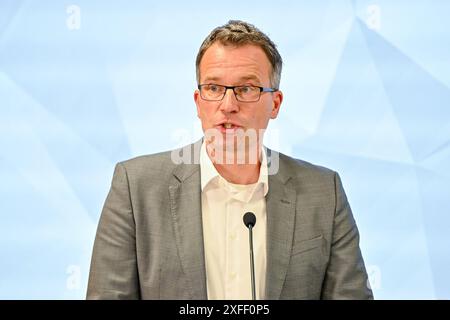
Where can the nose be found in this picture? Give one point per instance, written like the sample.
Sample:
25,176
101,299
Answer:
229,104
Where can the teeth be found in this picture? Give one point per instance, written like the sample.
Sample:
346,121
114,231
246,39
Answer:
227,125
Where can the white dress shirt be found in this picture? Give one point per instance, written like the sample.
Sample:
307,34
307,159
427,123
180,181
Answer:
226,238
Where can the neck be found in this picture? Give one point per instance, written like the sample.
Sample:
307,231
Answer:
246,173
239,173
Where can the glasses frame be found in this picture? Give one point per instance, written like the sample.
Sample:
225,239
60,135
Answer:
261,90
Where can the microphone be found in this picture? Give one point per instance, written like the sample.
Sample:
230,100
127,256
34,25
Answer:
250,221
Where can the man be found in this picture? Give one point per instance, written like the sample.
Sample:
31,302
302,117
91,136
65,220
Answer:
171,227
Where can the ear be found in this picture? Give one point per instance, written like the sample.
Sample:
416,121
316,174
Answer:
196,99
276,104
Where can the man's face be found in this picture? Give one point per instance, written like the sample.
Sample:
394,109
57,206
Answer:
233,66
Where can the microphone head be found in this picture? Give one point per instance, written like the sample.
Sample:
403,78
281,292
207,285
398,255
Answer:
249,219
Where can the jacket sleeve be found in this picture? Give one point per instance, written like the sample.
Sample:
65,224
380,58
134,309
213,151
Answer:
346,276
113,273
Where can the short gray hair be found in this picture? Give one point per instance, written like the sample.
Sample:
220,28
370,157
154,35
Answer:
239,33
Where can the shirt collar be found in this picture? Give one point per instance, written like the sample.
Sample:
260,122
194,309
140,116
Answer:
209,173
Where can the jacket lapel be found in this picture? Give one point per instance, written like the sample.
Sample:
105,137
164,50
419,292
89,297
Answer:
185,202
280,206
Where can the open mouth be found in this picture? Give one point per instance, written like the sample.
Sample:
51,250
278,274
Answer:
228,128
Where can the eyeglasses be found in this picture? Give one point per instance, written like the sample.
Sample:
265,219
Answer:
216,92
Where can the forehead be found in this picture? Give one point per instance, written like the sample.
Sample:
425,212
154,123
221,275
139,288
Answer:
233,64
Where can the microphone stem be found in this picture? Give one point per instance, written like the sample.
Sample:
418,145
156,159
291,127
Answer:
252,265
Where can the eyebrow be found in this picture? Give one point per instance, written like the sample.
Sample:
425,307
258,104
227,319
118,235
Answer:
210,79
250,77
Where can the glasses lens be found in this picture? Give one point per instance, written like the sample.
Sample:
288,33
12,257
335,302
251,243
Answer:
212,92
247,93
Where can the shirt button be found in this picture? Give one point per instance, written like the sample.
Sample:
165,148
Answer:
233,275
233,236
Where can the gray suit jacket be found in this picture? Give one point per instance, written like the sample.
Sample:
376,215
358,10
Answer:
149,242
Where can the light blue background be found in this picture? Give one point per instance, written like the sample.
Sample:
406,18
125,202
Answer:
367,93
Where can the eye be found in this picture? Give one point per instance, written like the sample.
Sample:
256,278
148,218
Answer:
247,90
243,89
212,88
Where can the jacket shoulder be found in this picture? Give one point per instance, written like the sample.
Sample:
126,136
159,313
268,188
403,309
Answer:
146,166
303,169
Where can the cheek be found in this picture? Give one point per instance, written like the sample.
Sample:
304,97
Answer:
264,115
257,120
205,113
